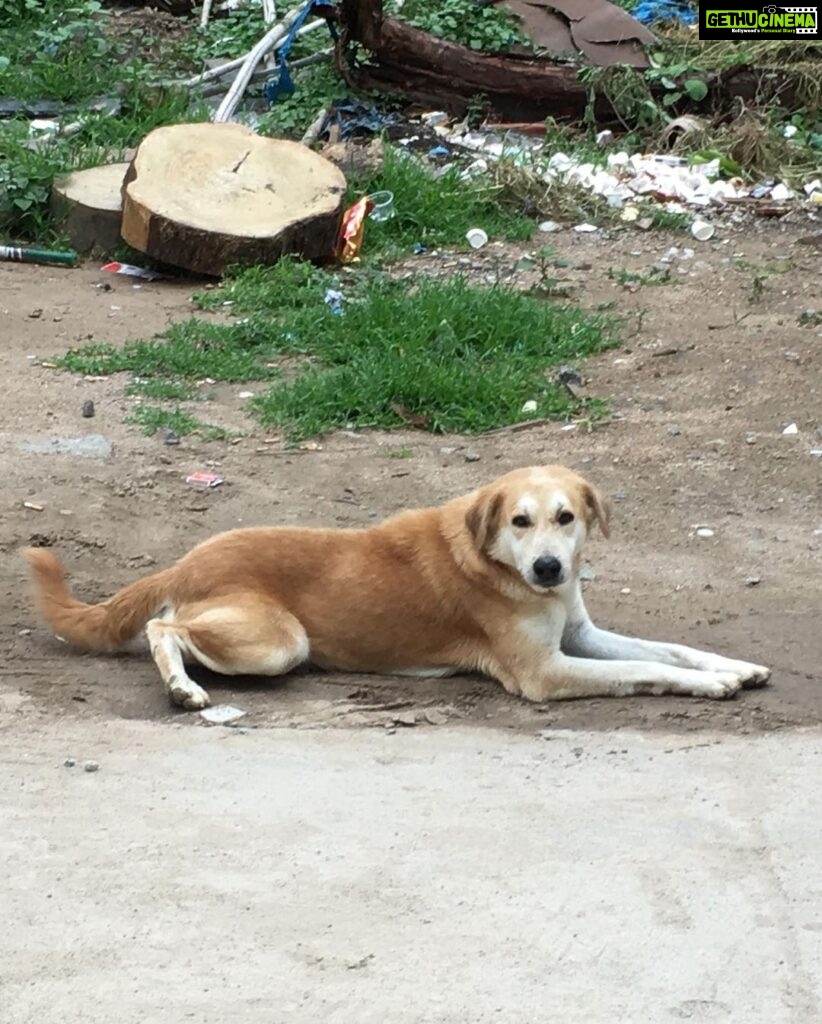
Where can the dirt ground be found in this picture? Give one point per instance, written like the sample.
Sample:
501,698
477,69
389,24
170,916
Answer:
701,391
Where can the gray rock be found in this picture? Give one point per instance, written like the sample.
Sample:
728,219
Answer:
91,766
92,446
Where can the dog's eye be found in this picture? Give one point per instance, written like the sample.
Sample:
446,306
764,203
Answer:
521,521
564,518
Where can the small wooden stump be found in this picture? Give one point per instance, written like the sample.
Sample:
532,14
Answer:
89,203
206,196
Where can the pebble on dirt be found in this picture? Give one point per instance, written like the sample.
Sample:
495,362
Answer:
91,766
88,409
69,762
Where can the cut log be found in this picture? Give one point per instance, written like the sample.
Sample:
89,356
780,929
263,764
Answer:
206,196
88,204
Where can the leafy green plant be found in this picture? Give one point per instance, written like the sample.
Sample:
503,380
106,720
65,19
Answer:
464,21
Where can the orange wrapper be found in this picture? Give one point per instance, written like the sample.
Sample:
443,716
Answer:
353,229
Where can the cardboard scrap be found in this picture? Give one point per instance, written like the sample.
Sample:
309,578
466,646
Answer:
603,32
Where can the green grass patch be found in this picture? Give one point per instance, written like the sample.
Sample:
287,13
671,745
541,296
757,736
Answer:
435,210
191,350
153,418
162,389
442,354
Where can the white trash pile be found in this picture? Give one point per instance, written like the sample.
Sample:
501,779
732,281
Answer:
621,179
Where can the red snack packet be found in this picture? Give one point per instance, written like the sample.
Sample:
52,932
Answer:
353,229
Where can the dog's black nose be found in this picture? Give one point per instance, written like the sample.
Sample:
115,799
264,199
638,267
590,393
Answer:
547,570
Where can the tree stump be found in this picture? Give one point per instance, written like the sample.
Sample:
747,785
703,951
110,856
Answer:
206,196
89,204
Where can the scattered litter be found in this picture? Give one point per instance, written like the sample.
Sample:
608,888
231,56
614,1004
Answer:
704,531
88,409
790,429
419,249
437,151
353,229
476,238
130,270
781,193
649,11
92,446
334,300
530,406
91,766
625,590
204,481
585,229
222,714
33,506
548,226
246,394
382,206
18,255
816,453
702,230
604,138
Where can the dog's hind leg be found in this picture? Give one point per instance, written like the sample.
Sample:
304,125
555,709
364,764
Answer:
233,635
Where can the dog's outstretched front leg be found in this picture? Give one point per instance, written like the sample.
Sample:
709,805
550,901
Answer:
582,639
564,678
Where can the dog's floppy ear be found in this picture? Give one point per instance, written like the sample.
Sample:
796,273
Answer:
599,508
483,519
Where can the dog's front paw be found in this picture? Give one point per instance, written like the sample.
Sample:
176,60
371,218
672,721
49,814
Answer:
716,685
750,676
187,694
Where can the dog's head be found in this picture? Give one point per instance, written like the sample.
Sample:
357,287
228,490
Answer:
535,521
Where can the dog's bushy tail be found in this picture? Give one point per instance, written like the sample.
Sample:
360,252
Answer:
97,627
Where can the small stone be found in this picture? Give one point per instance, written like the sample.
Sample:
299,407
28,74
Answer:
674,429
704,531
91,766
548,226
69,762
625,590
793,357
753,581
750,439
471,457
587,573
88,409
447,450
569,375
407,718
35,314
169,437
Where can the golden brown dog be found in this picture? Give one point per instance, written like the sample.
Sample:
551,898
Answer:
488,582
